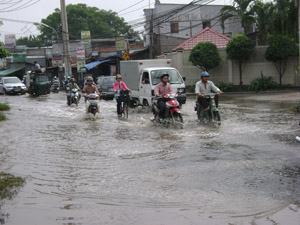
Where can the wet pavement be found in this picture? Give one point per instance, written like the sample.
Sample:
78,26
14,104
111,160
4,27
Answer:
115,172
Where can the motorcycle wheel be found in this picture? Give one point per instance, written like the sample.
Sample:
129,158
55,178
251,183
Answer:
177,120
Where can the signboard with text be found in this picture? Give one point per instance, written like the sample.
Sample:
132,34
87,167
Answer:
10,41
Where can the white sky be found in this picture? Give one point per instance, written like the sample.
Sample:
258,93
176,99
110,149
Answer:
42,8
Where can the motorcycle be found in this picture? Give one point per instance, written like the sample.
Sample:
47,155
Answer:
72,96
173,115
55,87
92,103
210,114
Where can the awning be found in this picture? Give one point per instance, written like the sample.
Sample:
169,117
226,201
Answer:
10,71
93,65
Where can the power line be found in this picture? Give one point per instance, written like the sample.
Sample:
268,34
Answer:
131,6
23,6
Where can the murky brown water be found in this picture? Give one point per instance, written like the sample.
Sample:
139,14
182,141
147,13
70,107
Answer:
113,172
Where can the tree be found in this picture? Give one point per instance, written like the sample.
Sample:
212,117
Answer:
264,19
240,49
31,41
241,9
3,52
285,18
280,48
101,23
205,55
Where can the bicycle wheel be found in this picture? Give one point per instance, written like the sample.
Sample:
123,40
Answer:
125,110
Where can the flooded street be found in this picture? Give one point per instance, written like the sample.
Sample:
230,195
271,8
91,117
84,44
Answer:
114,172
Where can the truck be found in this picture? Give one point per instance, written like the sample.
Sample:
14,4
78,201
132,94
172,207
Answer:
141,77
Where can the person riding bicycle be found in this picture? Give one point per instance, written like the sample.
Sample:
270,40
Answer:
90,87
120,88
162,89
205,87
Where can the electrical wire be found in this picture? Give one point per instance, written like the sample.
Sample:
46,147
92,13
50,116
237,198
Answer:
23,6
131,6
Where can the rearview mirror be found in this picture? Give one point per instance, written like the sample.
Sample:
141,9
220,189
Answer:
184,78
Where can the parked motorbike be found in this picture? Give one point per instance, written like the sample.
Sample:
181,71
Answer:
72,96
173,115
92,103
210,114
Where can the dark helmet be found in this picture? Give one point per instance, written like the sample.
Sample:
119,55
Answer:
164,75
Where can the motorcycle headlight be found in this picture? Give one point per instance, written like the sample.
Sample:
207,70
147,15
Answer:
181,90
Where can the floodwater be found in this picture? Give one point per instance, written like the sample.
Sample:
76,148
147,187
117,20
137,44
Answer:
115,172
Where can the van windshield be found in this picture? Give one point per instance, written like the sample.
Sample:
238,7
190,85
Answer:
42,79
175,78
107,81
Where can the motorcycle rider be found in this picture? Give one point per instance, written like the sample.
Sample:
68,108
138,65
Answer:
119,87
90,87
204,87
162,89
72,85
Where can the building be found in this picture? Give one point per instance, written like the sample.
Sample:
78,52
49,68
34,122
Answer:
167,25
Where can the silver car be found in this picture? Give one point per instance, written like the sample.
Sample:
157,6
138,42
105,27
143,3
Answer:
12,85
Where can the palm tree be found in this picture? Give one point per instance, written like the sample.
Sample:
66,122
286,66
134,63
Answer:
264,19
241,9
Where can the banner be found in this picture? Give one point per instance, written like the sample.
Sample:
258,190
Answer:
10,41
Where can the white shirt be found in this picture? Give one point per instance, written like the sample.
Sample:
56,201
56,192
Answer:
204,89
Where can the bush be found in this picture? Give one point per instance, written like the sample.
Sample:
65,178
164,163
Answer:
226,87
2,116
4,107
263,84
9,185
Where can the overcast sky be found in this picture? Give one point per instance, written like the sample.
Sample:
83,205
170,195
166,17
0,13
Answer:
42,8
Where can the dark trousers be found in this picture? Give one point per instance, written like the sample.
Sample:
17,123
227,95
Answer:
162,108
119,104
204,103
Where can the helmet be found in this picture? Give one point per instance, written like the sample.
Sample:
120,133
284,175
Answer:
164,75
54,77
204,74
119,76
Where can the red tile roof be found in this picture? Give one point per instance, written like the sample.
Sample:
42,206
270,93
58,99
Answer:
206,35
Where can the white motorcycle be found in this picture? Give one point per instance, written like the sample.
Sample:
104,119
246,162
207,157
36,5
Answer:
73,96
92,105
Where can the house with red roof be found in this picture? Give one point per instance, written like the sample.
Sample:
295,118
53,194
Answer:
206,35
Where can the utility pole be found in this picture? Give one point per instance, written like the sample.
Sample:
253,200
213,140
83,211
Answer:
65,35
298,3
151,35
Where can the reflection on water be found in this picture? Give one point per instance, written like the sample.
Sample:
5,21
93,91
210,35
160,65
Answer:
111,171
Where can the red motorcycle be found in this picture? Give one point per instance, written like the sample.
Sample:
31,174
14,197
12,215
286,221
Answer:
172,112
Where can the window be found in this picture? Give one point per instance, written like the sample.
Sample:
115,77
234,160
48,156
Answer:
174,77
206,23
174,27
145,78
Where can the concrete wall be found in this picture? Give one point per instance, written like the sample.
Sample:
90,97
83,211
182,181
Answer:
228,71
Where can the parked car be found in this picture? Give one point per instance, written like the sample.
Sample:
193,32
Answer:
12,85
105,85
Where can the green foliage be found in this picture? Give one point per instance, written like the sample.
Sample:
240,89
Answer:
4,107
240,48
205,55
2,116
9,185
264,19
101,23
3,52
241,9
226,87
280,48
31,41
262,84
